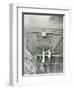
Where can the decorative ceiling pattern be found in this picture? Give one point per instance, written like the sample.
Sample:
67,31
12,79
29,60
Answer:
35,42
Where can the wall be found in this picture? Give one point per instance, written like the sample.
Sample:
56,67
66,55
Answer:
4,46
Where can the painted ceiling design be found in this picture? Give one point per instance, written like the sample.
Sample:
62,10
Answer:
34,25
35,42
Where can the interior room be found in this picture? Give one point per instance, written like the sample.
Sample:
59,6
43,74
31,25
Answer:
43,44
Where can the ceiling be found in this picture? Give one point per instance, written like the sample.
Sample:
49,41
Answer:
34,25
35,42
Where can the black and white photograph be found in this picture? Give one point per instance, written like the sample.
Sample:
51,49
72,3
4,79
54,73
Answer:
42,43
39,45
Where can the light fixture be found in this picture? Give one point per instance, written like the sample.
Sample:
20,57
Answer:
43,34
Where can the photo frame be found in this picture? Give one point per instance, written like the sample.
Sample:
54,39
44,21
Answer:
37,43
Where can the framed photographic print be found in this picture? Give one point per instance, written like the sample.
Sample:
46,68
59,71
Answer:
37,42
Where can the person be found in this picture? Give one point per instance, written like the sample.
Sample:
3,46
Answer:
49,54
